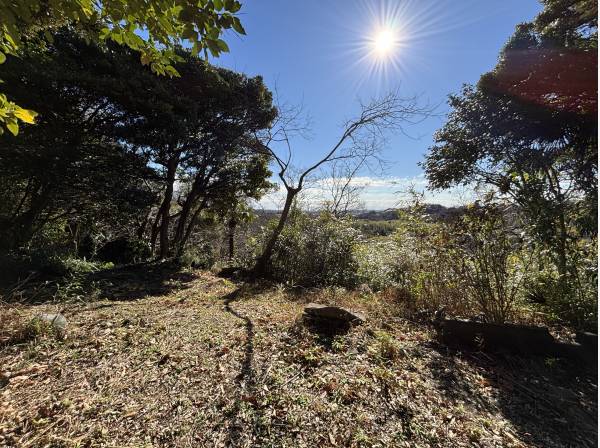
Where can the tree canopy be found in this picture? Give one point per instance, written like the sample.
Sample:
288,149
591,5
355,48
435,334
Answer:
154,28
189,139
529,128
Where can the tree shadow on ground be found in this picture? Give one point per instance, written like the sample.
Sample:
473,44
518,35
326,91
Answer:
138,281
551,402
128,282
246,375
246,380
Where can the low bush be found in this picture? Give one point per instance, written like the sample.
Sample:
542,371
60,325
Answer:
380,264
316,251
492,265
200,256
572,300
429,265
469,266
124,251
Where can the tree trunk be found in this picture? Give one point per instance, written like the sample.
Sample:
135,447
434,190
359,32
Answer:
262,266
231,237
166,208
142,227
154,231
24,227
179,240
562,234
190,227
198,187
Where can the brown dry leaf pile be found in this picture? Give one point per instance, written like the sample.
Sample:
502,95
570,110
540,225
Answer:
215,364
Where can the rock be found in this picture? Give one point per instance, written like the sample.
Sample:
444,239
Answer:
513,338
330,320
518,339
57,321
333,313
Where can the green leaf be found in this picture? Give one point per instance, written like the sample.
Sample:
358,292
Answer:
118,38
234,7
171,71
2,58
189,32
104,32
213,47
13,127
26,115
222,45
237,26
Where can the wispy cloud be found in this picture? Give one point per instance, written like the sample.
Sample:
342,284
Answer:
378,193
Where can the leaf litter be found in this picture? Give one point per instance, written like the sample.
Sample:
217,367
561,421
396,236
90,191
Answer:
219,364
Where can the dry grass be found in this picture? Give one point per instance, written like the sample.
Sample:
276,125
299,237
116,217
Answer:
210,364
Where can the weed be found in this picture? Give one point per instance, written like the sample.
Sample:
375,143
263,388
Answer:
386,347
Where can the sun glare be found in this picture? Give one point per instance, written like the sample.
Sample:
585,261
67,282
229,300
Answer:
384,42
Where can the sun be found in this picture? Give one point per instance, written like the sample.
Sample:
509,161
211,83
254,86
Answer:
384,42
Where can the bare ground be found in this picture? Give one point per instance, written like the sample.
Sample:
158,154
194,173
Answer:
194,360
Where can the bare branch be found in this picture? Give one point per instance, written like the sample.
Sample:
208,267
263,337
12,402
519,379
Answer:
361,140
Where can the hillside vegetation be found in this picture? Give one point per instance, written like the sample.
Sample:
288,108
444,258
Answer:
146,302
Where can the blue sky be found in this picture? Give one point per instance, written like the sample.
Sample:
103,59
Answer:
318,53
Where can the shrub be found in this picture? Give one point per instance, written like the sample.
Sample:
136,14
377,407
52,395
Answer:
124,251
472,264
428,264
380,264
198,256
316,251
573,299
492,269
580,306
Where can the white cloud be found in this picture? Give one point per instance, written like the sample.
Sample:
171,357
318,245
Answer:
379,193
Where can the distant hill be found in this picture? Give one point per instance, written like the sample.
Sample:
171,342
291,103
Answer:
435,211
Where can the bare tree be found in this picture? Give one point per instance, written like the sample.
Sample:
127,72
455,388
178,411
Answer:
340,192
362,138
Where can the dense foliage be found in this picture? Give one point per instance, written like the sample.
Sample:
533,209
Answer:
124,166
151,27
113,140
316,251
528,132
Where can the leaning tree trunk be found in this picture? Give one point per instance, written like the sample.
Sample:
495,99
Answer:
166,209
154,231
262,266
178,240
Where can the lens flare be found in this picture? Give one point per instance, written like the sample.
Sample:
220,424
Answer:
384,42
381,43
